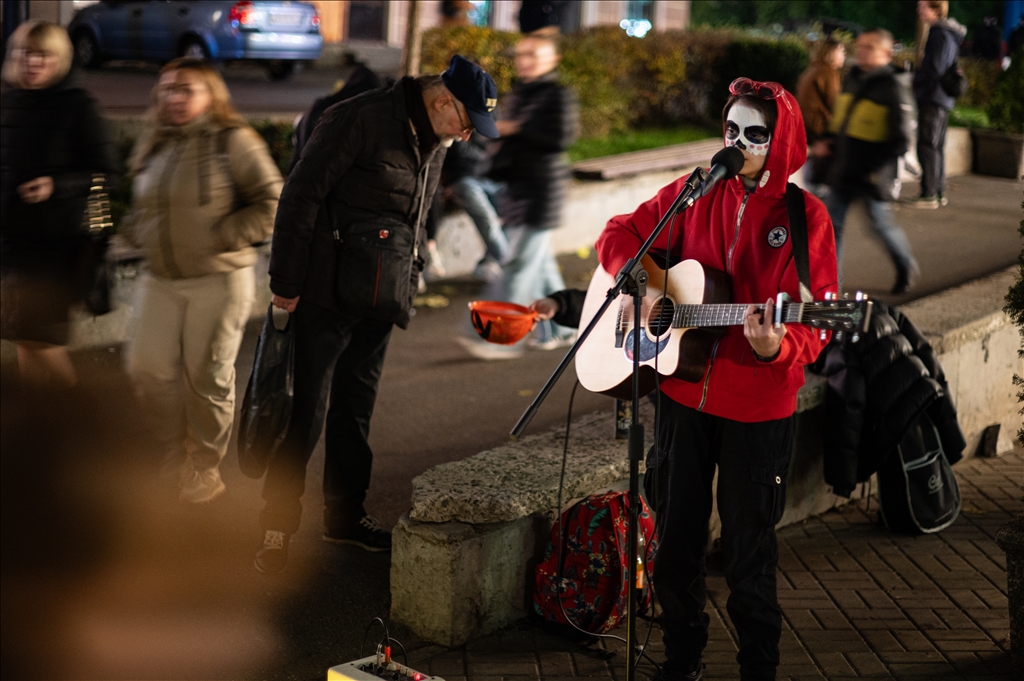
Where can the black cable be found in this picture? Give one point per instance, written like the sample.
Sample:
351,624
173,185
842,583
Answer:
387,636
561,542
405,656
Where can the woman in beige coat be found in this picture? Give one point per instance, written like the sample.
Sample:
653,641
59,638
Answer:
205,192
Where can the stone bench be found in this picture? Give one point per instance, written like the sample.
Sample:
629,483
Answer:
464,556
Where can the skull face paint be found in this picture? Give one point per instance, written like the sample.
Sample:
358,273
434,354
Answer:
745,128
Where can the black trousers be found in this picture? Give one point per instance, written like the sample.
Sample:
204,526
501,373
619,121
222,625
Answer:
342,356
931,148
752,461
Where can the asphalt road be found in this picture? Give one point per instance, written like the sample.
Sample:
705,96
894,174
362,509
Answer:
124,88
106,576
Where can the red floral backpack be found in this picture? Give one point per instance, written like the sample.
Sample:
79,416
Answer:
595,571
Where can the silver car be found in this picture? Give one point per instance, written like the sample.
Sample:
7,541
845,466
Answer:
276,33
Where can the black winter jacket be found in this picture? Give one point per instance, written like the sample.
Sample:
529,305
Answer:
877,388
877,134
533,160
940,51
56,132
362,169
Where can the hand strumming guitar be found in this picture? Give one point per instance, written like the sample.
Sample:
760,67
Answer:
764,337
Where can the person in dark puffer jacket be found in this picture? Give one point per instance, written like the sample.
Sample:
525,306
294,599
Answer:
877,388
52,142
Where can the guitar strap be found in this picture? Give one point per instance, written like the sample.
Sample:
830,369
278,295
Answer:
797,210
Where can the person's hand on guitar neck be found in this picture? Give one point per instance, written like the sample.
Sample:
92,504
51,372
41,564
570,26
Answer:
764,337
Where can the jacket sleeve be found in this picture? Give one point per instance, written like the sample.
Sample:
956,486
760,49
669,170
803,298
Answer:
94,152
939,54
553,125
570,306
901,118
624,234
802,344
336,142
257,185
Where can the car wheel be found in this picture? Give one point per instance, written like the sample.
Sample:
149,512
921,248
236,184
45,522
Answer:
87,52
280,70
193,48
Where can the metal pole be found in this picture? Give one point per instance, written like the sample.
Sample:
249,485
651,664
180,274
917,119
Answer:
413,39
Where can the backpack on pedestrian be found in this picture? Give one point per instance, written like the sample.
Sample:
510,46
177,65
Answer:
917,487
590,561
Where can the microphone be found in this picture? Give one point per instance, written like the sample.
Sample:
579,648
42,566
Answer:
725,165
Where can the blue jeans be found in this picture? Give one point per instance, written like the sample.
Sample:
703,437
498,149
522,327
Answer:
478,196
531,273
881,219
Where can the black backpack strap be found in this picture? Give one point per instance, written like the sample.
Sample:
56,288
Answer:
798,233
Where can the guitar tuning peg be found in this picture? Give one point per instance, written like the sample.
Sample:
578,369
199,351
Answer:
828,295
846,296
838,335
860,296
855,337
822,335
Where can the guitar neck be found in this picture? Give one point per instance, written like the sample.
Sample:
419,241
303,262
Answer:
730,314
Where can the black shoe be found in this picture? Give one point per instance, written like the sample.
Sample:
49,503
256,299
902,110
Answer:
366,534
272,557
689,672
905,279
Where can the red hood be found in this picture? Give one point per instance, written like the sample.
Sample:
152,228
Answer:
788,151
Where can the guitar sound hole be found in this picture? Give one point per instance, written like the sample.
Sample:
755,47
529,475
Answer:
660,319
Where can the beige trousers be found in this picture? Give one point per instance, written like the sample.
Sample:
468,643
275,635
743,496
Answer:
181,359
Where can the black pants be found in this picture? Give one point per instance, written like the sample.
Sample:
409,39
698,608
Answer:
752,460
931,149
354,349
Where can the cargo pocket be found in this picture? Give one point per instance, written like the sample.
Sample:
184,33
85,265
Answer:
374,274
770,481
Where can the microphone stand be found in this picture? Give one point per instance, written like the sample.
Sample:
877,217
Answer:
632,279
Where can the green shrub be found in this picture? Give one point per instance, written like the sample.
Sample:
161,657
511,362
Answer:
1006,108
963,117
491,49
278,137
780,60
981,78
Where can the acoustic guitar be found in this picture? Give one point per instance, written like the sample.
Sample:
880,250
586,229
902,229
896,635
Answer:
683,314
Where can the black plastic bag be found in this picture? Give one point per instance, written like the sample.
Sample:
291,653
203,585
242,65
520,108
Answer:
98,276
267,405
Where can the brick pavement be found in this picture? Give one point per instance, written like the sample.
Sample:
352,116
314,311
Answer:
857,601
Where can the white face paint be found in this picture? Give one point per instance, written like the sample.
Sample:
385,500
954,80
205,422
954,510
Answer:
745,128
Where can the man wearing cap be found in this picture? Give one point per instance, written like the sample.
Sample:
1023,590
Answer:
345,262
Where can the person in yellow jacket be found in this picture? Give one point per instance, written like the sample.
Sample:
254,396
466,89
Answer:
205,192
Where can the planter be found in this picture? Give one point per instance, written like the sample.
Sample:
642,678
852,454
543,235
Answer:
998,153
1011,540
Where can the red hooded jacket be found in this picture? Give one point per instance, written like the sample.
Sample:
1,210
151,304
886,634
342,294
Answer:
728,230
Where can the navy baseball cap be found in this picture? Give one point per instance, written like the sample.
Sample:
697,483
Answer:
472,86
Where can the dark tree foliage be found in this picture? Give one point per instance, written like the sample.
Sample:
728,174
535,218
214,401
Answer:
897,16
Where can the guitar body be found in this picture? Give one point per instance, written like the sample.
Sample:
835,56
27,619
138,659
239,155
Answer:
604,363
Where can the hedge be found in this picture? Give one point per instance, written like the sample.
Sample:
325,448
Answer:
664,79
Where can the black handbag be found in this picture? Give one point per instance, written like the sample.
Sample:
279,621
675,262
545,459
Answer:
267,405
953,82
95,269
917,487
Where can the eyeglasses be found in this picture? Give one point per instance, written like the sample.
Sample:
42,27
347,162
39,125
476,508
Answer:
766,90
467,128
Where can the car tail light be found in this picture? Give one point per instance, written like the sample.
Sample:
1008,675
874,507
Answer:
316,19
242,13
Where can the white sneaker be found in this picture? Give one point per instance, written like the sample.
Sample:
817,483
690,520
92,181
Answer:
435,267
552,343
202,486
484,350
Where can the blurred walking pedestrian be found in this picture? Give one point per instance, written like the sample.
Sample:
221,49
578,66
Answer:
933,102
870,130
52,142
539,123
204,193
816,91
346,261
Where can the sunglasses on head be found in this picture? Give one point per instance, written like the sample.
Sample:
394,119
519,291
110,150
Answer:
766,90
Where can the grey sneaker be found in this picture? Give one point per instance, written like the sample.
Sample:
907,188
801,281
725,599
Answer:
926,202
943,200
201,486
272,558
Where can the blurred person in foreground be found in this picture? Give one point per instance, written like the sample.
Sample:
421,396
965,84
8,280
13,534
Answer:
740,416
204,193
816,90
870,130
346,261
52,141
933,103
539,124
